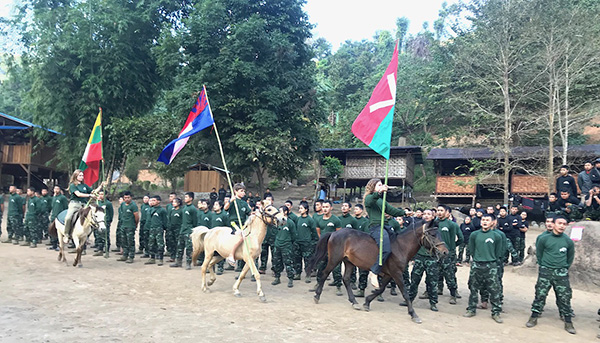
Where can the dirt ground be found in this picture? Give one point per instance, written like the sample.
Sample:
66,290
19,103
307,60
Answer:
42,300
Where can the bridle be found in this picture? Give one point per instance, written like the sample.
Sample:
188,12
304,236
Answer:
95,223
264,215
426,238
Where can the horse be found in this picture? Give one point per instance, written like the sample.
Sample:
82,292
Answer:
220,240
84,221
357,248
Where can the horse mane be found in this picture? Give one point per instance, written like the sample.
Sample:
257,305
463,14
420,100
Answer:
83,213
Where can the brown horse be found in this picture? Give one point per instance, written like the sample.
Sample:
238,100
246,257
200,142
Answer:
220,240
357,248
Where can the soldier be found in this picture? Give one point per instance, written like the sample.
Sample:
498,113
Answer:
219,218
283,254
46,201
16,208
32,228
290,205
204,213
169,236
239,211
129,218
487,247
174,220
363,225
143,235
506,226
592,204
103,238
158,223
566,182
523,229
189,220
569,206
59,203
318,209
306,239
329,223
120,236
425,263
452,236
555,253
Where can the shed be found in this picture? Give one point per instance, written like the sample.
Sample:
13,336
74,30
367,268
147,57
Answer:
203,177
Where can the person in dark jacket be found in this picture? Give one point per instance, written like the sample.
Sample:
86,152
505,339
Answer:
467,227
566,181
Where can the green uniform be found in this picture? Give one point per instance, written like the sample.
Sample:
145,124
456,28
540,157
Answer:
205,218
15,217
128,225
425,263
452,237
306,240
293,217
158,223
267,245
45,214
363,224
82,188
189,220
144,229
173,229
219,219
283,252
331,224
349,221
487,248
555,254
374,204
103,238
59,204
120,233
244,211
33,230
395,225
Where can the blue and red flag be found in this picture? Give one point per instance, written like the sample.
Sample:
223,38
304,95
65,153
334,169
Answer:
199,119
373,126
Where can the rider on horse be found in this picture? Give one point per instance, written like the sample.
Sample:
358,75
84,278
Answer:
79,193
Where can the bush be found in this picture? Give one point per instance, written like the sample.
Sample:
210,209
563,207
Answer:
146,185
153,187
274,184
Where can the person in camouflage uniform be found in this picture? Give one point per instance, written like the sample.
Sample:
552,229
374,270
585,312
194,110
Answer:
46,201
103,238
267,244
189,220
59,203
523,230
219,218
169,235
119,233
15,216
425,263
452,237
555,253
487,247
129,219
32,227
174,227
306,239
363,225
143,235
158,223
283,254
325,224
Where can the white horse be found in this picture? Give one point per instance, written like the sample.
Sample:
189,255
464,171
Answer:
220,240
84,221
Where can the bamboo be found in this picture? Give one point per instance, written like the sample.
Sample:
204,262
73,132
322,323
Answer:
387,163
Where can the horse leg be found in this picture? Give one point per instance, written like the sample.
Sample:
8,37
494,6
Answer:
236,285
61,248
397,275
211,268
324,274
205,263
79,249
348,268
384,281
259,291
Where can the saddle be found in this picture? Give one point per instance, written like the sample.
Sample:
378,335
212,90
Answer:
63,215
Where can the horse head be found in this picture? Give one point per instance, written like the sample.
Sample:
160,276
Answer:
432,241
271,216
96,216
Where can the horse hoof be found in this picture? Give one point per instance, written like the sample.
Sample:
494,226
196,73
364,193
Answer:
80,266
206,290
316,299
417,320
366,307
237,295
356,307
210,283
262,299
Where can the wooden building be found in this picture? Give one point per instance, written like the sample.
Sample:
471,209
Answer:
363,164
455,181
24,160
202,178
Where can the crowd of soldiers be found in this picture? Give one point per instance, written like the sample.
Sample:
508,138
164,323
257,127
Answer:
487,240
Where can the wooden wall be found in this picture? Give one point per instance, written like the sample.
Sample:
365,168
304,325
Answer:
202,180
15,154
447,185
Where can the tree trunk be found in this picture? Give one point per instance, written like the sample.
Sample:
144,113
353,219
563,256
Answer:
260,176
507,134
565,143
551,112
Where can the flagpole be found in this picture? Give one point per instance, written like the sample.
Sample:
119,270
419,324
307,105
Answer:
387,163
241,225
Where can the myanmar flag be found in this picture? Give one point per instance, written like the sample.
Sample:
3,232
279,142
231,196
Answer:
90,162
373,126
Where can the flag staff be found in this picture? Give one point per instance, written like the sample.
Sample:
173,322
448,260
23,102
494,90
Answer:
241,225
387,163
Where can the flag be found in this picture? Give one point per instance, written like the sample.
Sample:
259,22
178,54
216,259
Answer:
90,162
199,119
373,126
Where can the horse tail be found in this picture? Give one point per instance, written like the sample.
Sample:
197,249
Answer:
320,252
52,231
197,237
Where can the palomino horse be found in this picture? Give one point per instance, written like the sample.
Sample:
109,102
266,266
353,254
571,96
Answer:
220,240
357,248
88,218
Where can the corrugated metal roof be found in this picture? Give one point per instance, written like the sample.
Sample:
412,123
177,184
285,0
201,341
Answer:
590,150
25,123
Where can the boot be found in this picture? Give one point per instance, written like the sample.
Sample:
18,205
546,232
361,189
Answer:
424,295
393,292
291,283
380,298
129,260
122,259
440,291
433,307
458,296
452,301
338,291
531,322
570,328
297,277
331,283
99,253
353,286
497,319
24,244
115,249
360,293
177,264
33,245
469,314
150,261
277,281
188,265
307,279
15,242
160,262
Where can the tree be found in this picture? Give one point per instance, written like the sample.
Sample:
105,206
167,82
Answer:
256,64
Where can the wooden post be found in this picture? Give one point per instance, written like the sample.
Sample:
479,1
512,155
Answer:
344,197
28,175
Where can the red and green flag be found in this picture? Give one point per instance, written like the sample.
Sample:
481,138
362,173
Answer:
90,162
373,126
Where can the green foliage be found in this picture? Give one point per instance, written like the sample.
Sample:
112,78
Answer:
132,168
274,184
333,169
